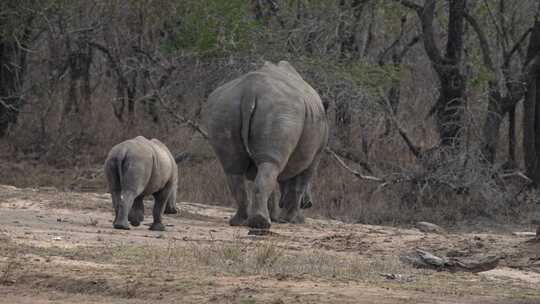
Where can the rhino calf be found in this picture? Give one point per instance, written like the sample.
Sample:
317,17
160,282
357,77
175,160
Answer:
134,169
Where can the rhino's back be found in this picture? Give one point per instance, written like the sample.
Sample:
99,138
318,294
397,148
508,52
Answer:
166,164
147,161
285,118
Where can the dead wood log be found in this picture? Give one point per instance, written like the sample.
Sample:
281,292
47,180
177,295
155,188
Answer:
424,259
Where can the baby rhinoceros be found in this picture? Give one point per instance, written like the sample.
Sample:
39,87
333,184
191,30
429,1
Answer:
134,169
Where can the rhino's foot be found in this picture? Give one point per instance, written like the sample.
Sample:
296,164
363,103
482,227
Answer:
157,227
259,222
292,218
306,204
136,219
238,220
170,210
274,218
121,226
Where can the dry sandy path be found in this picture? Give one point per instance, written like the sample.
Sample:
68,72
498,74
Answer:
58,247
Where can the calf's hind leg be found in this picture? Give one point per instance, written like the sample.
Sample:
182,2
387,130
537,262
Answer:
123,210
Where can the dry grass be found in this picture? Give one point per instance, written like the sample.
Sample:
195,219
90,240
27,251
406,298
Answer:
142,271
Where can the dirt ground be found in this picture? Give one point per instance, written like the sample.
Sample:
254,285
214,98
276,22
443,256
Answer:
59,247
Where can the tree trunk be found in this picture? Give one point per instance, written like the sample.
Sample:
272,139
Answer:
449,110
531,106
12,72
492,126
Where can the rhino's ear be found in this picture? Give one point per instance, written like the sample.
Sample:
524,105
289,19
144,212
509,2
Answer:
326,104
180,157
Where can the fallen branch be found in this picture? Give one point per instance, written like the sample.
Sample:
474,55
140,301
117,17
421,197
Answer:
351,170
181,119
348,155
517,174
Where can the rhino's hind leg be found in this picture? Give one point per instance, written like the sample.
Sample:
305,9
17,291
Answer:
116,200
273,206
265,182
237,185
115,187
121,220
136,215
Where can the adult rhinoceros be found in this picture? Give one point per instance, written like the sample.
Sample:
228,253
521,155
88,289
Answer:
268,126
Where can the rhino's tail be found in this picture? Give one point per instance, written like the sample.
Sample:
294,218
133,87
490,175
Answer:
115,169
248,104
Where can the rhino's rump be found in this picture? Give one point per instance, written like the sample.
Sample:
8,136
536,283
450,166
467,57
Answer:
270,115
287,126
142,165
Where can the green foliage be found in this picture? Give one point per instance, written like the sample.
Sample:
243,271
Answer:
373,77
481,78
211,27
15,18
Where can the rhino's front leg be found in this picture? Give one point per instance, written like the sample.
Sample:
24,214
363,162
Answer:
291,197
265,183
170,206
160,201
136,215
296,194
237,185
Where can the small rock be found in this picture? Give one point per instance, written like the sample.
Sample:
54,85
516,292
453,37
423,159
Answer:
391,276
48,189
258,232
57,238
524,234
430,228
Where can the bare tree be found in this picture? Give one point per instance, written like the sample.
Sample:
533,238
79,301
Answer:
505,84
16,25
448,108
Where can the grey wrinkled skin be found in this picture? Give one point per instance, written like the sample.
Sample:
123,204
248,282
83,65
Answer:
268,126
134,169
